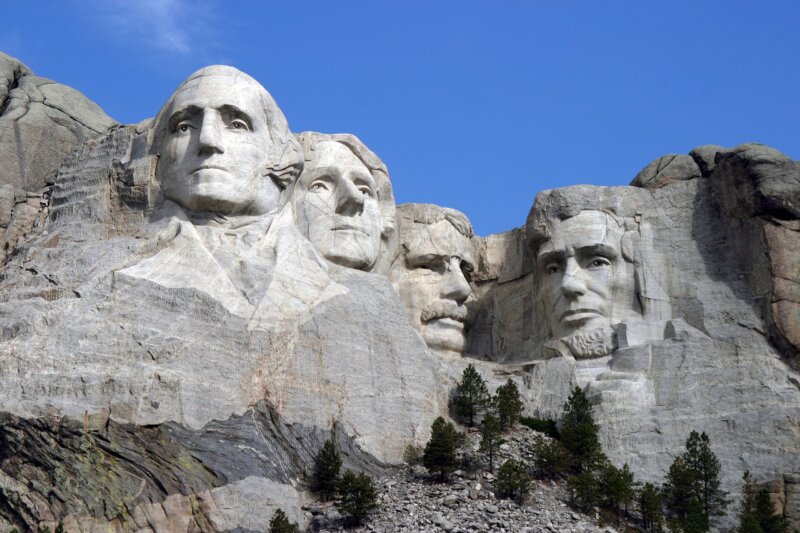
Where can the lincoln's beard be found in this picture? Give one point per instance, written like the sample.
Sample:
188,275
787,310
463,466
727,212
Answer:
590,344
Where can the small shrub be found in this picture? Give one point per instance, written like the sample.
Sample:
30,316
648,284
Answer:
471,395
508,404
583,490
546,426
490,438
412,455
281,524
326,470
440,452
551,460
513,481
357,496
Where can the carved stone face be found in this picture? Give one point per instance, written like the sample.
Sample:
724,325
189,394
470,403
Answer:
215,147
433,282
586,283
336,207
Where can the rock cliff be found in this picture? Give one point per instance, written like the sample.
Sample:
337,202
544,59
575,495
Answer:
196,302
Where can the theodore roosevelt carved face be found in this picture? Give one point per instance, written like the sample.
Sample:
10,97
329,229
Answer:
433,272
220,139
342,200
586,283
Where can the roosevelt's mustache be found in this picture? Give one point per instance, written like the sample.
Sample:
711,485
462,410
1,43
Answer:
444,309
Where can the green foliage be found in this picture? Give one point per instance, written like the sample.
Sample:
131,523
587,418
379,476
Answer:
327,465
508,404
546,426
412,455
651,508
59,528
281,524
693,482
513,481
550,459
757,514
583,490
472,396
579,433
616,487
490,438
357,496
440,451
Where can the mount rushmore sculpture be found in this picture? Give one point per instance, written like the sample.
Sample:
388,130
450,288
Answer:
191,305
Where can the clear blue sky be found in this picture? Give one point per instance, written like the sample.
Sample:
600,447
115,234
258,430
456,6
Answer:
472,105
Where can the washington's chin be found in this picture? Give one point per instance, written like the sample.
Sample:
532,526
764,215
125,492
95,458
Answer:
211,190
445,335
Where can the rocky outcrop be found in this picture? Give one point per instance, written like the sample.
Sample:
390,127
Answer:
179,331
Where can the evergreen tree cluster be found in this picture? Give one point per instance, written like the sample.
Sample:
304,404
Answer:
355,493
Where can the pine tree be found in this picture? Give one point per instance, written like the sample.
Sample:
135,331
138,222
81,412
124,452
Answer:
281,524
583,490
440,451
650,507
508,404
550,459
705,466
490,438
757,514
471,395
693,482
616,487
357,496
326,470
579,433
513,481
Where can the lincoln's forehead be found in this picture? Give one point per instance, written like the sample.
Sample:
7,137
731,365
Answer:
587,229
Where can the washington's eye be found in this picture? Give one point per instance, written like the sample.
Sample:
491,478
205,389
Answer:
239,124
599,262
183,127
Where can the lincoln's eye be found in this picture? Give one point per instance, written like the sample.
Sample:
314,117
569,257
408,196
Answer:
553,269
239,124
599,262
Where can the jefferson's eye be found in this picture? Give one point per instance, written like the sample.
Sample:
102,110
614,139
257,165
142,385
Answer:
318,186
599,262
239,124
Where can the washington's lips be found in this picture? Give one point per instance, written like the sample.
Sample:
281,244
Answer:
443,309
209,167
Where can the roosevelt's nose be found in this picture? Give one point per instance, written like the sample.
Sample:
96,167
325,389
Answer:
210,137
572,283
349,199
454,286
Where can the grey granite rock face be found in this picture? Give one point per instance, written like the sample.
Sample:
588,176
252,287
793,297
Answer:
174,351
40,123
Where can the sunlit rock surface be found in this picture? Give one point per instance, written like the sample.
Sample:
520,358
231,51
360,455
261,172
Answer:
181,329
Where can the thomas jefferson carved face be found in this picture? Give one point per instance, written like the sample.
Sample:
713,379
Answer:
432,278
336,206
586,283
216,144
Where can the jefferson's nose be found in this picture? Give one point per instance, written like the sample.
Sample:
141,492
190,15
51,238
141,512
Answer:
349,200
572,283
454,286
210,138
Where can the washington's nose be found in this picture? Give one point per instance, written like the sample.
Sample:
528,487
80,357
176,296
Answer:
572,284
454,285
349,200
210,139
